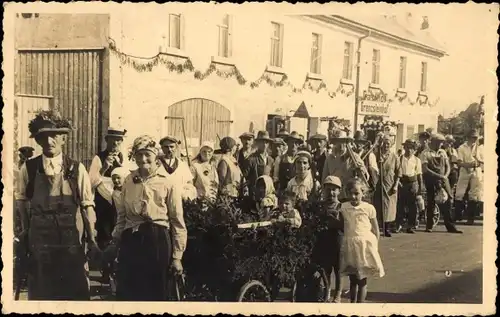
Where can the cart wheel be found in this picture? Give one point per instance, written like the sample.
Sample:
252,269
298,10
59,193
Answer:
323,287
437,216
254,291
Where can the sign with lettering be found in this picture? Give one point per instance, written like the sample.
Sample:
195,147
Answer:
374,108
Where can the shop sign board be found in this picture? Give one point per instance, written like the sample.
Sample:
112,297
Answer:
374,108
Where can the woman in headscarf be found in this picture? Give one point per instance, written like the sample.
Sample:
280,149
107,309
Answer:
230,176
206,179
385,197
265,197
150,230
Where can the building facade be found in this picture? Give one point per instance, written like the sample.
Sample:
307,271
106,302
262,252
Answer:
223,74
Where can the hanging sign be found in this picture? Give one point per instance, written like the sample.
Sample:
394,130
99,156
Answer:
374,108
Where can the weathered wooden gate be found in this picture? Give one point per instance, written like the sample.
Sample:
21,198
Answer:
72,79
204,120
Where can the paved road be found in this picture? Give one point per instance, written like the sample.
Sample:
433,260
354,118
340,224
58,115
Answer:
416,267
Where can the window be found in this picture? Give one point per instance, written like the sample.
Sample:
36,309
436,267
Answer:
277,45
348,52
224,30
421,128
174,39
410,131
316,54
376,67
402,72
423,77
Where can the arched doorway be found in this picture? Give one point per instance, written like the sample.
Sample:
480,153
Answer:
204,120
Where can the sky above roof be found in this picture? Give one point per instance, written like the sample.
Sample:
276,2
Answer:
467,32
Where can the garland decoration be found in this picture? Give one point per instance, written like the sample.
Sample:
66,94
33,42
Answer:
146,64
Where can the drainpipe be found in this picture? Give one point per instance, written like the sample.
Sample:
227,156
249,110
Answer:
356,89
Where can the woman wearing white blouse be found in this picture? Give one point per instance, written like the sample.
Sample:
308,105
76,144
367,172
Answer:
150,230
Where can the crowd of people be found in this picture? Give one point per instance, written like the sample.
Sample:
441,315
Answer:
133,208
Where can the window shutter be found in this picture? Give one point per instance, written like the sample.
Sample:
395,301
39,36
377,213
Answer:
282,38
182,30
229,35
320,52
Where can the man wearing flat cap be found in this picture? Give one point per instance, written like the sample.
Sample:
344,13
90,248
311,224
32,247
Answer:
260,162
319,153
247,140
423,139
283,166
100,172
57,213
435,171
470,160
178,170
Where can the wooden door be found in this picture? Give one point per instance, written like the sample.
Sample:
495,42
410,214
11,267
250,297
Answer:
73,78
204,120
25,109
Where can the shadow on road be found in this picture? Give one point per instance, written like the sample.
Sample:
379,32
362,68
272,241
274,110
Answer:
466,288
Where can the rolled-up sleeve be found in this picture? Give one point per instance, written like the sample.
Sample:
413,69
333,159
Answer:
176,219
86,196
94,172
21,183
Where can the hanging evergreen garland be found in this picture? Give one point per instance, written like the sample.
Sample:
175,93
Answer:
144,64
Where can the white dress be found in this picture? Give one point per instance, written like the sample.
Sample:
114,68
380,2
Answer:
360,251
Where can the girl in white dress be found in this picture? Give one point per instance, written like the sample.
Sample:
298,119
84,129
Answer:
360,258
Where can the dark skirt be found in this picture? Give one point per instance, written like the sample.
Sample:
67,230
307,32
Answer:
105,220
143,272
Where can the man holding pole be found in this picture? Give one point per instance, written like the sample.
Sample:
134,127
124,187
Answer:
469,159
57,214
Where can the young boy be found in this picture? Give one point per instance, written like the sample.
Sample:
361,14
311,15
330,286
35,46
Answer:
118,177
287,212
327,251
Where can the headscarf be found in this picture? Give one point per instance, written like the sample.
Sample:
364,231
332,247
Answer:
270,199
227,143
145,142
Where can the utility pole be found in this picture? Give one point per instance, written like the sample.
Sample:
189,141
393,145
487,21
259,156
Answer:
358,71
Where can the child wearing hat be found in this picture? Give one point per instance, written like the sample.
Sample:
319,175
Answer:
327,251
302,184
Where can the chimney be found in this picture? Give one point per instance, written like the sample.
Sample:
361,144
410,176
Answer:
425,23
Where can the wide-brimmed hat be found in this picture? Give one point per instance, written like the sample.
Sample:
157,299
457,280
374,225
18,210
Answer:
319,137
410,142
333,180
49,121
170,139
26,149
424,135
247,135
294,136
340,136
473,134
283,133
438,137
116,132
263,136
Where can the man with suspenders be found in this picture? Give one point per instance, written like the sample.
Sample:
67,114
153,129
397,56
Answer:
57,214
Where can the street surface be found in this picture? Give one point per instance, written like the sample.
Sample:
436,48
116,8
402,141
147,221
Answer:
424,267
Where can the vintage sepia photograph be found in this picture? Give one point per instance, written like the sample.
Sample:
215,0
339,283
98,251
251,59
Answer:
201,157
